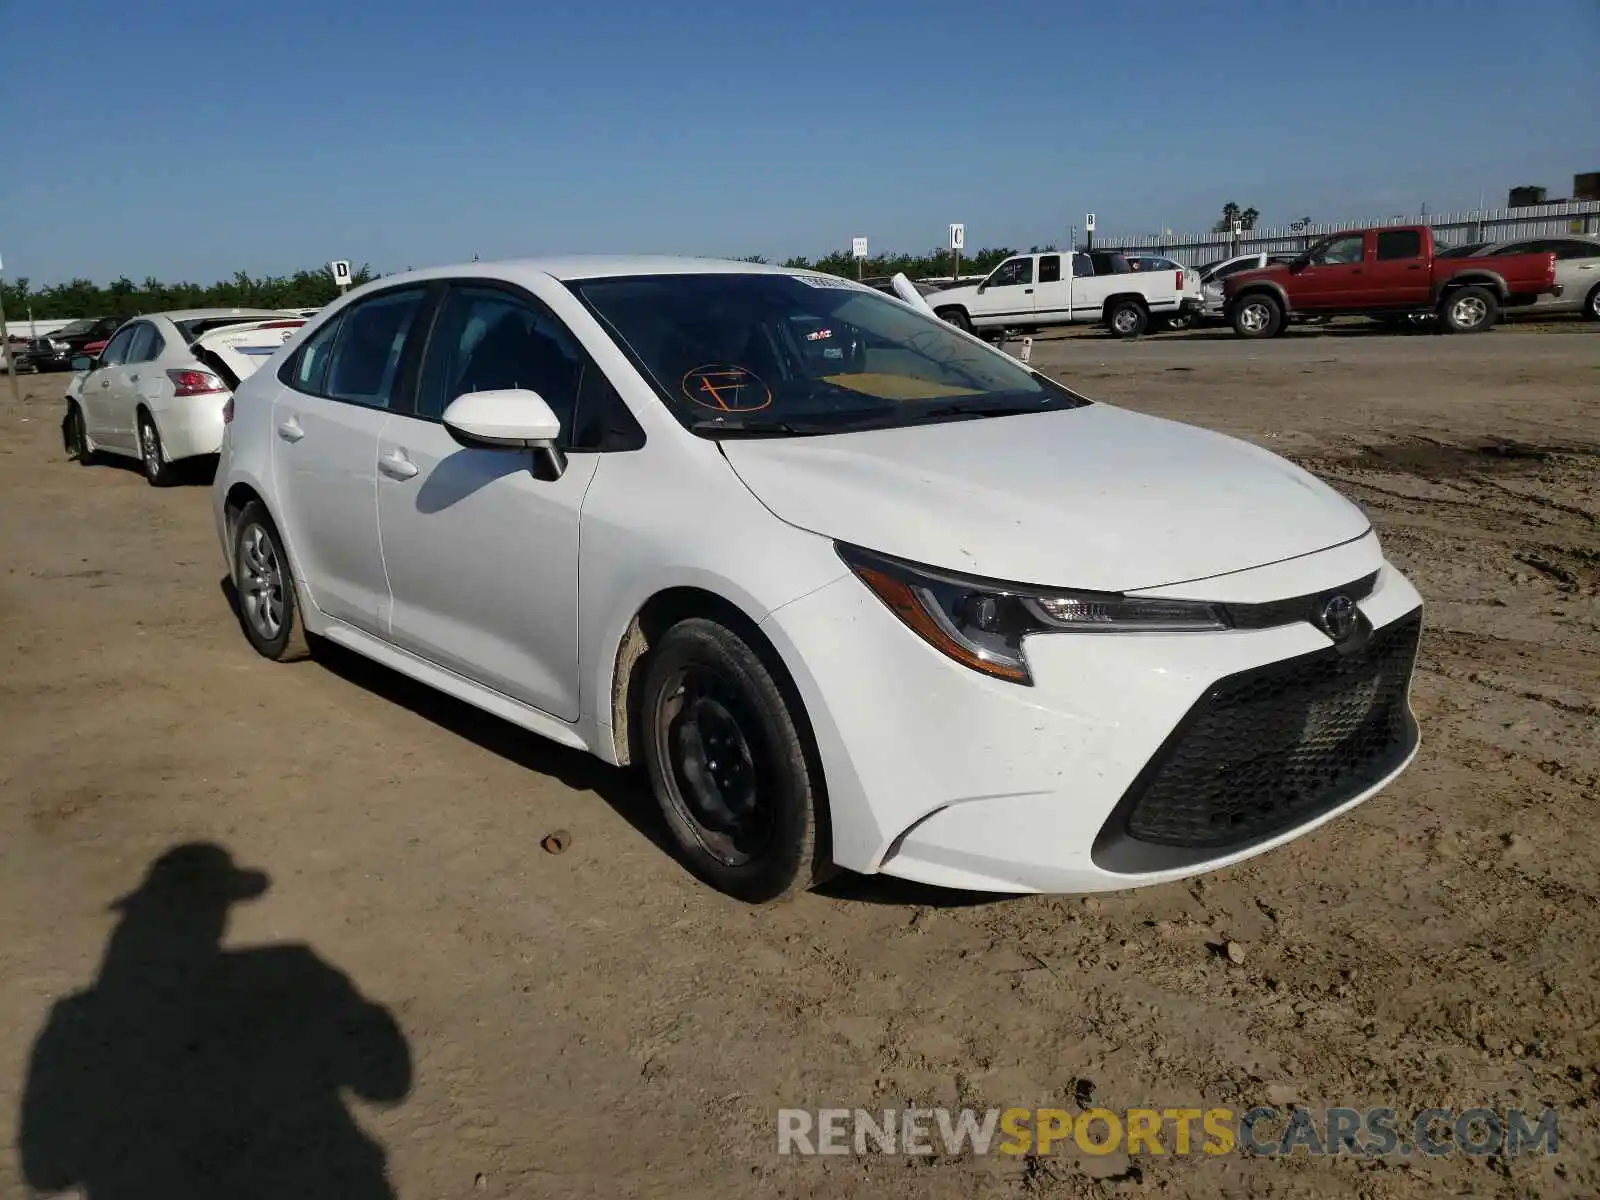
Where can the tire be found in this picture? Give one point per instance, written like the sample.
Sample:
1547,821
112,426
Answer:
1591,306
749,828
1257,315
1127,318
76,436
158,472
957,317
269,613
1468,310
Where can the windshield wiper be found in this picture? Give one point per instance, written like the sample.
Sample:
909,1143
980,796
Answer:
721,428
982,410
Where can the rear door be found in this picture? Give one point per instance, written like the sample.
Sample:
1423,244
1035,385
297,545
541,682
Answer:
1398,274
1052,294
1006,297
1089,288
340,386
1333,276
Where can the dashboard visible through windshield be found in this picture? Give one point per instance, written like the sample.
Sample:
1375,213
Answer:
789,355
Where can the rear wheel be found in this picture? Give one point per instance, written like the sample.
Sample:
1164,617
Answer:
957,317
76,436
158,472
268,613
1591,306
1127,318
729,764
1257,315
1468,310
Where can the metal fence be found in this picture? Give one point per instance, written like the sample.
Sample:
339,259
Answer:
1488,225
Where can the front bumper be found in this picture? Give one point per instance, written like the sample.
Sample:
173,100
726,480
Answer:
938,774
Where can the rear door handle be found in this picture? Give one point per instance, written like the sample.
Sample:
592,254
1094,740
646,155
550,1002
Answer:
289,430
396,465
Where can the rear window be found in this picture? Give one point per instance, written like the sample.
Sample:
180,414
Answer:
1399,243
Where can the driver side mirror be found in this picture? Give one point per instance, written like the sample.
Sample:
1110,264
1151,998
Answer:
982,286
1301,263
83,362
508,419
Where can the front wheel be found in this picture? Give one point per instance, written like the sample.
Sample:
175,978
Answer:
76,436
729,765
1127,319
1468,310
1591,306
1258,315
957,317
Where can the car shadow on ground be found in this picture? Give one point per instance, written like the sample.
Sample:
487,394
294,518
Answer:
190,1069
625,790
186,472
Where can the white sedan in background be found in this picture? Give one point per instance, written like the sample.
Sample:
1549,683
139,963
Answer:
157,391
853,588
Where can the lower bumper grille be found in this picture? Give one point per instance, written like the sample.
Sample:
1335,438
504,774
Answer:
1268,749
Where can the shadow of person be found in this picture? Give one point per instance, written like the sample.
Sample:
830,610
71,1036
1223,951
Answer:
189,1070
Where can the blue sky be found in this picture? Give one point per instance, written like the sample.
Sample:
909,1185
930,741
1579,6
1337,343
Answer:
188,139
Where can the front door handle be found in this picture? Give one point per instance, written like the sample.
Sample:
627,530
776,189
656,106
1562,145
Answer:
289,430
396,465
1027,291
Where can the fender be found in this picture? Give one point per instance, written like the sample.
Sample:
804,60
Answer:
1262,285
1475,276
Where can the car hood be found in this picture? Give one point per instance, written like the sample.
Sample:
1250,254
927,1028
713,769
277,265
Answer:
1271,271
1096,497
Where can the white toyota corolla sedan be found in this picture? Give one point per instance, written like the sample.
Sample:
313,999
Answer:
854,588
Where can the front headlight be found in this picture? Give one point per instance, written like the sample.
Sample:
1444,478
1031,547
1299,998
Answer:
981,622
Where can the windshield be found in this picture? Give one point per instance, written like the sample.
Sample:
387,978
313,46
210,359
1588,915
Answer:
74,329
789,355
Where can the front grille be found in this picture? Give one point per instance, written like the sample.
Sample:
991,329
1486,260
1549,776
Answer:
1268,749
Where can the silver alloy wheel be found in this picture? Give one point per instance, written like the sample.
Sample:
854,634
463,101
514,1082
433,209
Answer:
150,447
1469,312
1594,303
260,581
1255,316
1126,319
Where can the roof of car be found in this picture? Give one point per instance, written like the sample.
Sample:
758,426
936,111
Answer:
203,314
598,266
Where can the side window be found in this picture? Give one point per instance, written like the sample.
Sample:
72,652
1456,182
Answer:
485,339
1050,268
1082,266
116,350
365,364
1399,243
601,420
139,347
1340,251
307,371
1012,272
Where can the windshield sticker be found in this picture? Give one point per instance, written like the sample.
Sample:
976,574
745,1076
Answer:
897,387
831,281
726,388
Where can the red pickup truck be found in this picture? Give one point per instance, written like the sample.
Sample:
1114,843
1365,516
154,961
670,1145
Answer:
1387,273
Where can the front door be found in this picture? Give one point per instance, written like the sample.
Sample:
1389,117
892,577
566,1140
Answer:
482,555
1007,295
101,394
1334,276
326,424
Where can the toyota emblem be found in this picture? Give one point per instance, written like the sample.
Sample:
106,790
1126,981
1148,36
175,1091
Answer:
1338,617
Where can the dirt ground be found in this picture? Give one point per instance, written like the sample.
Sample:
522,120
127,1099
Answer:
599,1024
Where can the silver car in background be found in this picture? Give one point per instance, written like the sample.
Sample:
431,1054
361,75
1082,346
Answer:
1577,273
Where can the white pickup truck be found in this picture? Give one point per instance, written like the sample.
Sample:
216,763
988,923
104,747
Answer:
1035,291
